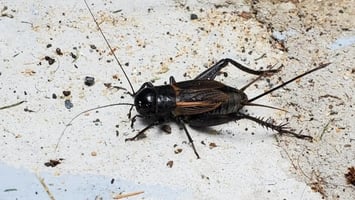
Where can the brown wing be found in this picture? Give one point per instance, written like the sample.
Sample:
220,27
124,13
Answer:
198,100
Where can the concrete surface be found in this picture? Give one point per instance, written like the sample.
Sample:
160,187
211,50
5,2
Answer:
158,39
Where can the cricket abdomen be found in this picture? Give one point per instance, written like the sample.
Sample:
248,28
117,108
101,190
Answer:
236,100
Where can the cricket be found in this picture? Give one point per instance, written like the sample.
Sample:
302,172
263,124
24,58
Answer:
200,102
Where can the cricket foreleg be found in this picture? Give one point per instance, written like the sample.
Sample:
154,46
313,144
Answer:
140,133
134,118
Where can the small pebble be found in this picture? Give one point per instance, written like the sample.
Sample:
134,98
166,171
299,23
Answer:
49,59
170,164
59,51
68,104
66,93
89,81
193,17
166,128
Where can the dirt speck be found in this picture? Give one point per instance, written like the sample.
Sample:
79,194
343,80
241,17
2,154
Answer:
170,163
53,163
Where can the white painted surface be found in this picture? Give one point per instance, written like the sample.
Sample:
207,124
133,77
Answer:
242,166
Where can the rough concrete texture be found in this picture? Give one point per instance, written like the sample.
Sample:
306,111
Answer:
154,40
325,106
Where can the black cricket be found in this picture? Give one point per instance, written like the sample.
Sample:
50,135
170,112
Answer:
200,102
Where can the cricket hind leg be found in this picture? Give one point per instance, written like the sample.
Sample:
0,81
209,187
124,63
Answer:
259,77
282,129
212,120
202,121
212,72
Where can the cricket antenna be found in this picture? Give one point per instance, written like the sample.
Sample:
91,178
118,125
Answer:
289,81
109,46
86,111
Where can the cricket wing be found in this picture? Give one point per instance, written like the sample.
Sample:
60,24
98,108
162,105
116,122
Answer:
195,101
